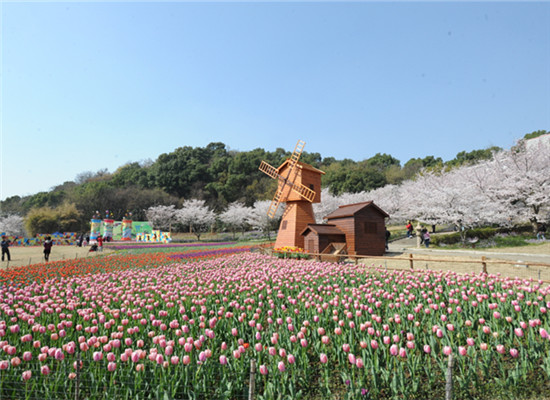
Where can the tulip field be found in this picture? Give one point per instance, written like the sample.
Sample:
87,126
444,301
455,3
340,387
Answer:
155,326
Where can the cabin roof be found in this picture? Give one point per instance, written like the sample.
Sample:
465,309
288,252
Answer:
300,165
350,210
322,229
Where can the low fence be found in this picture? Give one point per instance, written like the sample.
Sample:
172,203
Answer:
505,268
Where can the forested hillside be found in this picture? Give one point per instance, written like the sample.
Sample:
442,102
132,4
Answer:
214,174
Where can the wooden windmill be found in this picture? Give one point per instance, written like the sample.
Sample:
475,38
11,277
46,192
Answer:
299,187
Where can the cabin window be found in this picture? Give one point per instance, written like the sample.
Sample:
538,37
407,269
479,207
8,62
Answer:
312,187
283,225
370,227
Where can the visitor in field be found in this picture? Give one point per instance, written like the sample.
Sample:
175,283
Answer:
409,229
541,230
422,233
5,248
388,234
100,243
48,243
426,238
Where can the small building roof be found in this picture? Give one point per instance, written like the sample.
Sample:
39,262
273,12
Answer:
350,210
300,165
322,229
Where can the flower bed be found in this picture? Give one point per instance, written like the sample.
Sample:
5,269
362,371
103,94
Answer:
316,330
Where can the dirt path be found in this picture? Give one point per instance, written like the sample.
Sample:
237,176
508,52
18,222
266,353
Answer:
26,255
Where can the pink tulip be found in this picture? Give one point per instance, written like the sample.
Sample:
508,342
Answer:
462,350
427,349
351,358
223,360
26,375
291,359
447,350
514,353
501,349
263,369
483,346
374,344
281,366
359,363
4,364
111,366
394,350
402,352
186,360
45,370
323,358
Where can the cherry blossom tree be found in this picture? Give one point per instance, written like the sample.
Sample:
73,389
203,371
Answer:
161,217
521,180
259,219
197,216
235,217
12,225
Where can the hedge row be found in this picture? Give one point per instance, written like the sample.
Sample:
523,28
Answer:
480,233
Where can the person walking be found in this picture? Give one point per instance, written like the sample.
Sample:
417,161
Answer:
388,234
426,237
409,228
541,231
48,243
100,243
5,248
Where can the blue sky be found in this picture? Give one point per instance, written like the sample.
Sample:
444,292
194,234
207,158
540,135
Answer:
93,85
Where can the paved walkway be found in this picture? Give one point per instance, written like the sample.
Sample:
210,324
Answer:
407,246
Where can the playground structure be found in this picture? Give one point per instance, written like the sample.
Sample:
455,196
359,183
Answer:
58,238
156,236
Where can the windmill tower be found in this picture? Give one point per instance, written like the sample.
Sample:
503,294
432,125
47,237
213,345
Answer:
299,187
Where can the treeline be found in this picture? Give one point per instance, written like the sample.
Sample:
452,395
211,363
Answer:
215,174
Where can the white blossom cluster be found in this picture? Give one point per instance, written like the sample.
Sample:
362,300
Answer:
512,187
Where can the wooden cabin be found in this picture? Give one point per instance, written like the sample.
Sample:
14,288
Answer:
317,237
362,224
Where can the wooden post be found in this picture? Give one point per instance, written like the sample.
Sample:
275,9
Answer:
449,382
251,385
411,260
483,265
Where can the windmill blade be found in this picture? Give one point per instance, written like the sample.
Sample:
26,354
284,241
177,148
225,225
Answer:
295,157
275,202
302,190
269,170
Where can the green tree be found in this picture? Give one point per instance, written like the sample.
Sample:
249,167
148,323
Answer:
41,220
535,134
132,174
472,157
